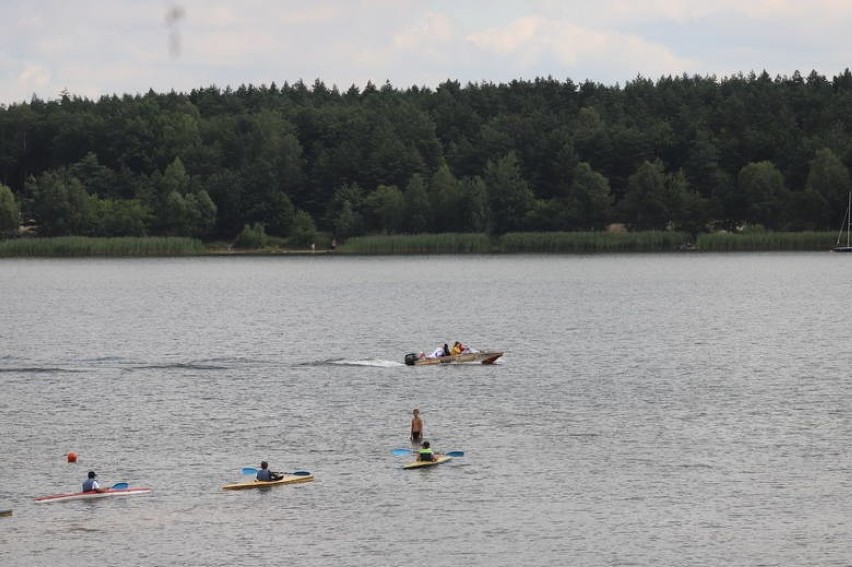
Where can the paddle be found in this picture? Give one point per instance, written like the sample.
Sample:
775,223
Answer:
401,452
250,470
120,486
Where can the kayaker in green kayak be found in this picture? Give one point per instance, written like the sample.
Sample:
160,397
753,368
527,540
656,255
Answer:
265,474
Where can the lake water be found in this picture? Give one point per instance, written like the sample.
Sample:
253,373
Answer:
689,409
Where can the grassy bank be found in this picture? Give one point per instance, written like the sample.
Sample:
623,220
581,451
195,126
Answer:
81,246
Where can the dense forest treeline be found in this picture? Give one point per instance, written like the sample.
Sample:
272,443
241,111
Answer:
687,153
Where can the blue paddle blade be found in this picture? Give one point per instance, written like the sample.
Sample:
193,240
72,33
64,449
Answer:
248,470
401,452
300,473
455,454
120,486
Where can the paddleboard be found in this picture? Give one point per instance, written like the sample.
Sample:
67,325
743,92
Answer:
92,495
287,479
420,464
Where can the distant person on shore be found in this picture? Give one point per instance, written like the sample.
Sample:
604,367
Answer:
267,475
416,426
92,485
425,453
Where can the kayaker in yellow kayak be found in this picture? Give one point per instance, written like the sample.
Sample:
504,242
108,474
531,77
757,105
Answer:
425,452
266,475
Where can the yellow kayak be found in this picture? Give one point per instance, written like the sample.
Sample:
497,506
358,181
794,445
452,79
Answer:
287,479
420,464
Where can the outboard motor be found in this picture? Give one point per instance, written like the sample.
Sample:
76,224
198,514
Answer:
410,358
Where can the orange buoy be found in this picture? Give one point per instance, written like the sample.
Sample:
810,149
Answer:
72,457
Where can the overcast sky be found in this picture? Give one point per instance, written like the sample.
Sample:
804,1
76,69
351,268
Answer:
95,47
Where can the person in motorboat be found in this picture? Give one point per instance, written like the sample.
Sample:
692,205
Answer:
460,348
437,353
266,475
425,452
416,426
92,485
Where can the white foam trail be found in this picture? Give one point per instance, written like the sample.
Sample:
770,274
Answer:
370,362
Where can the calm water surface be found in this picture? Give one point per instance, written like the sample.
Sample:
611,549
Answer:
650,410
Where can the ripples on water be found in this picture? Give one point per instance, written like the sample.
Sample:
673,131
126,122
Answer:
650,410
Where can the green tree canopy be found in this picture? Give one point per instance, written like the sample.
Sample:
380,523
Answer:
510,199
10,213
418,209
60,204
304,231
829,178
589,199
385,210
763,186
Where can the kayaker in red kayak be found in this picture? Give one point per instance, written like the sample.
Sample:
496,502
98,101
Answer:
92,485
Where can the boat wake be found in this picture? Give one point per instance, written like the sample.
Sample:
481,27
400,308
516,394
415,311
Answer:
203,365
374,362
38,370
178,366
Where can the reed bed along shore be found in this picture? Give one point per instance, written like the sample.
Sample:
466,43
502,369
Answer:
592,242
468,243
518,243
766,241
447,243
81,246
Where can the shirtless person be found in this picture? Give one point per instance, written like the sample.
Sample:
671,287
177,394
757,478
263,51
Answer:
416,427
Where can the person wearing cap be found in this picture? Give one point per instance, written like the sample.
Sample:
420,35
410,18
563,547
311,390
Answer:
90,484
267,475
425,453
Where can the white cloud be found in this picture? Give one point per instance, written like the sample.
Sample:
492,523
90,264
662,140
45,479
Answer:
432,29
620,12
33,79
532,38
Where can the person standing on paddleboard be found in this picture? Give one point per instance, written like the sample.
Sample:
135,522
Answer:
416,426
266,475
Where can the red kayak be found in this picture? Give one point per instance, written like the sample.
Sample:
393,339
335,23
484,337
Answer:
92,494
